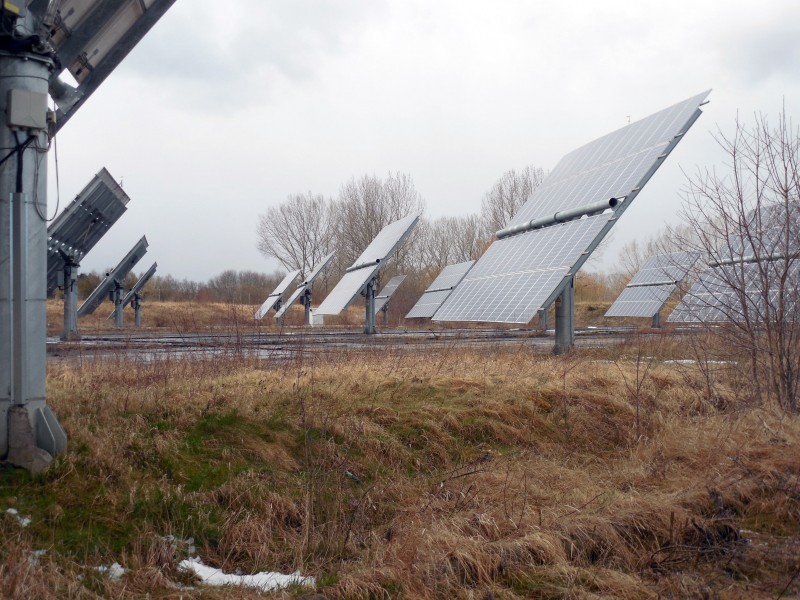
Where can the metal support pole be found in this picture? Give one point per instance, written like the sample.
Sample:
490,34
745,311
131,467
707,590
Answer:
543,319
29,432
369,296
137,310
306,300
116,295
70,330
657,320
19,291
565,319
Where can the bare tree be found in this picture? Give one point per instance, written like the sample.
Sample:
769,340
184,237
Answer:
448,240
508,195
367,205
297,232
746,222
671,239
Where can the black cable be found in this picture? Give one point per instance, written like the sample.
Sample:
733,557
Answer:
25,144
20,152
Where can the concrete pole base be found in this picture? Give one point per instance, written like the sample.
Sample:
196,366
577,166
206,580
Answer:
22,449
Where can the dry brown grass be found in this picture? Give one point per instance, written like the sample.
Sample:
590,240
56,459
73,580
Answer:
456,474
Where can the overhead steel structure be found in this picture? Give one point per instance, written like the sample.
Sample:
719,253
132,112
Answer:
754,276
38,40
303,291
385,295
74,232
275,299
652,286
439,290
534,260
112,284
134,296
362,276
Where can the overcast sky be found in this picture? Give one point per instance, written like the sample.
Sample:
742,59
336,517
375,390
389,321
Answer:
226,108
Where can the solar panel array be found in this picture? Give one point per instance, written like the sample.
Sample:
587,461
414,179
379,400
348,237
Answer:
276,295
755,273
115,276
83,222
383,297
318,268
521,274
367,265
652,285
753,292
439,290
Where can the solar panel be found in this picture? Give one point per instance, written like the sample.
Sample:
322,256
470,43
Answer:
652,285
113,278
306,285
83,223
524,273
737,293
439,290
90,39
137,287
383,297
367,265
276,296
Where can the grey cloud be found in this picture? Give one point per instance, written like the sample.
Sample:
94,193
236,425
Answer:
190,53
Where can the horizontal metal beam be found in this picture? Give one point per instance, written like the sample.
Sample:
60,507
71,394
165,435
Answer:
750,258
559,217
363,265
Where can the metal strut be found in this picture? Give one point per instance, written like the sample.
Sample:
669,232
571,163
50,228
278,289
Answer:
369,301
565,319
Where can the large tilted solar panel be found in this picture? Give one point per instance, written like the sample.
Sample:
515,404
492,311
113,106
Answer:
652,285
276,295
521,274
83,223
737,293
439,290
383,297
304,286
367,265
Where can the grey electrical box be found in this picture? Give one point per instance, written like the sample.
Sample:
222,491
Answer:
27,110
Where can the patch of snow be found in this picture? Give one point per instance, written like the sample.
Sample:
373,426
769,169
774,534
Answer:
114,572
23,521
265,582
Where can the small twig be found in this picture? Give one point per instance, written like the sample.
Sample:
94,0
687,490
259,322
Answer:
578,509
